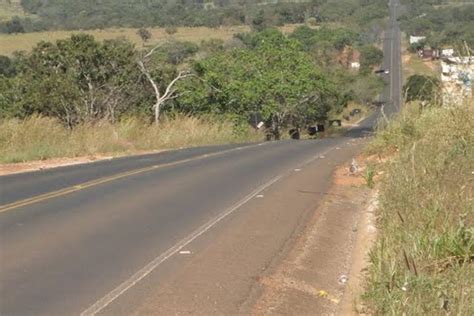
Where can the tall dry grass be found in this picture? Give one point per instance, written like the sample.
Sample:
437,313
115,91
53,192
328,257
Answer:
423,260
10,43
38,138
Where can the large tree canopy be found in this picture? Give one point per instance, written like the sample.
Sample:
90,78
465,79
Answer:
423,88
274,77
279,77
76,79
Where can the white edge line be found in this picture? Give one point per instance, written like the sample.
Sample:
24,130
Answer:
142,273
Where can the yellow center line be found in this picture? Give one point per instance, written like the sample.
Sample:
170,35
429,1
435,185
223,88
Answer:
89,184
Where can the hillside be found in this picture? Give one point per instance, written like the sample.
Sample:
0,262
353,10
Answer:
72,15
443,23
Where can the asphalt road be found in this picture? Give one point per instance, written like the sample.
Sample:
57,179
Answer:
60,254
392,96
77,239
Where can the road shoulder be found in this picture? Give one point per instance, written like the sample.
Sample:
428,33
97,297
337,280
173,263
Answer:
322,273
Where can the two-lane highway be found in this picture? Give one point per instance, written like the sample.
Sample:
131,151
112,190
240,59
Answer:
34,184
78,239
61,254
392,96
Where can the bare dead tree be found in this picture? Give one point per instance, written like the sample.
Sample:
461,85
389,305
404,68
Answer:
383,114
169,93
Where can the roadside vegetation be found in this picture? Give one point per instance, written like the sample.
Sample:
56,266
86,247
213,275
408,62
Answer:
423,260
80,79
40,138
286,81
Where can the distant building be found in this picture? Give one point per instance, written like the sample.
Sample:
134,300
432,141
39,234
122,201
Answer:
456,78
355,65
355,60
416,39
428,53
446,52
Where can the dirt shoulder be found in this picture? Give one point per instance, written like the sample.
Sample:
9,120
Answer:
12,168
323,272
20,167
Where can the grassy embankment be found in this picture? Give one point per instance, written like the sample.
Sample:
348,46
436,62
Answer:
39,138
423,260
10,43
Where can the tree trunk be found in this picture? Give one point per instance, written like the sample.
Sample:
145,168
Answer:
169,93
157,112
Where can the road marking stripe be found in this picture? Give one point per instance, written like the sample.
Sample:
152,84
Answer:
142,273
86,185
399,68
391,64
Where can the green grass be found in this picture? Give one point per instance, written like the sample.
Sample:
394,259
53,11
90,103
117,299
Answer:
416,65
369,175
422,263
38,138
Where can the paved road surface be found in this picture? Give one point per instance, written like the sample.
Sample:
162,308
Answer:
61,254
87,239
392,95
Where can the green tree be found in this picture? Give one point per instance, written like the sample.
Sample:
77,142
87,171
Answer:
7,68
422,88
171,30
144,34
370,56
79,79
14,26
258,22
274,77
8,97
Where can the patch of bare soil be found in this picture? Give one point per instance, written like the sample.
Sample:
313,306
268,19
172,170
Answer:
406,58
323,272
12,168
433,65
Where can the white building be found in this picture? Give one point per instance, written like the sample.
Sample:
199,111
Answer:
447,52
416,39
456,78
355,65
